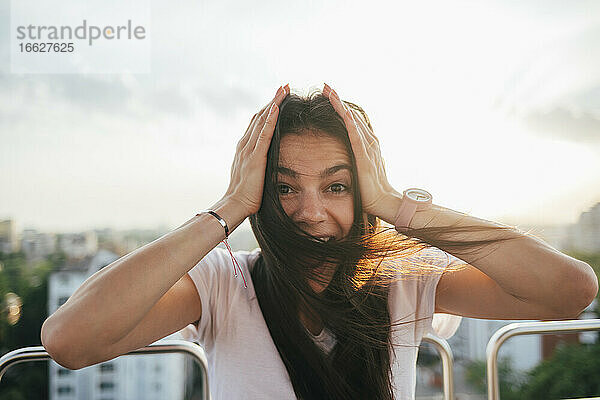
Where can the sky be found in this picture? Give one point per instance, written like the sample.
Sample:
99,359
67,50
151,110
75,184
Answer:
492,106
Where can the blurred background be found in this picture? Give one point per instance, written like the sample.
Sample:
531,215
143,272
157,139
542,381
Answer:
493,106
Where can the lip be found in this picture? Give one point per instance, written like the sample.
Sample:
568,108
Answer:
327,236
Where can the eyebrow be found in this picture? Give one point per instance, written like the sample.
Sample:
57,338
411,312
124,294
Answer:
325,173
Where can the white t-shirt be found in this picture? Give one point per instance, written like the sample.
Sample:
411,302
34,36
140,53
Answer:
243,362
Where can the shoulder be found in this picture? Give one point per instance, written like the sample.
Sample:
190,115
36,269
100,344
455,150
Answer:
219,259
413,294
221,290
219,270
425,266
433,257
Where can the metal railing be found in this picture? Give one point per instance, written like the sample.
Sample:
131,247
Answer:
527,328
39,353
445,351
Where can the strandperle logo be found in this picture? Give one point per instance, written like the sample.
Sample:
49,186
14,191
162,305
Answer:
84,31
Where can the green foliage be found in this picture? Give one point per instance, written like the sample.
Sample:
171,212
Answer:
30,283
510,380
572,371
427,355
593,259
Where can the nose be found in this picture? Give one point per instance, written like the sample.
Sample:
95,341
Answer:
311,208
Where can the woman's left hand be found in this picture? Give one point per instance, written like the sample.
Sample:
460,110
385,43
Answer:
376,192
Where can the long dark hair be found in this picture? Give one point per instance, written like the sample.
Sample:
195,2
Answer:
354,306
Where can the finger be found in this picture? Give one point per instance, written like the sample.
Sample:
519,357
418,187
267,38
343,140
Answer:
259,122
358,116
242,142
373,147
362,118
356,139
364,131
266,134
262,120
281,93
369,135
371,141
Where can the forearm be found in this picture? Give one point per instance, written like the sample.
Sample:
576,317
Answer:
525,266
110,303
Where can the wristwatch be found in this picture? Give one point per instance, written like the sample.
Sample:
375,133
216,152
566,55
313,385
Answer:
413,200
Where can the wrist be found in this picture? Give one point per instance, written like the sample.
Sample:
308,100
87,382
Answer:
231,210
424,218
413,200
389,207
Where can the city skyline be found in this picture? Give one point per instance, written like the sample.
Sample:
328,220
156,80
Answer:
493,107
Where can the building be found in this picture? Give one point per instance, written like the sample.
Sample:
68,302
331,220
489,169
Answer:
470,341
525,352
37,245
584,236
9,242
78,245
152,376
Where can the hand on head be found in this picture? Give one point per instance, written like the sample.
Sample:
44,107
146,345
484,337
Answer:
250,161
249,164
375,189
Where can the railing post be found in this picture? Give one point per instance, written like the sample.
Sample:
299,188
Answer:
527,328
445,351
39,353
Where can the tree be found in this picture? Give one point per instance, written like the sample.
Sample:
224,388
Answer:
509,380
593,259
30,283
572,371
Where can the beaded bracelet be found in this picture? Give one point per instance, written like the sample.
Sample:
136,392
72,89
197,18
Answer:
233,260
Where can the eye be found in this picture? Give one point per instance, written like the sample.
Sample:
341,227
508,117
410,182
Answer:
281,186
343,187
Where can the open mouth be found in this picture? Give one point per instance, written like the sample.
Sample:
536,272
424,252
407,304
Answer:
326,238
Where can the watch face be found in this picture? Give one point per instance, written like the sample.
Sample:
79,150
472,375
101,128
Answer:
418,195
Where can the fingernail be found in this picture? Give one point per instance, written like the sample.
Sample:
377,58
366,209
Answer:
287,88
278,91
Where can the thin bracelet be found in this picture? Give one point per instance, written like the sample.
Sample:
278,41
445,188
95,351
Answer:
233,260
221,220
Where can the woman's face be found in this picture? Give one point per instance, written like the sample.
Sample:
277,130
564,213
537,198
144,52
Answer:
314,184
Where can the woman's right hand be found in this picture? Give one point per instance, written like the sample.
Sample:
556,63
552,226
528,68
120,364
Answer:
250,161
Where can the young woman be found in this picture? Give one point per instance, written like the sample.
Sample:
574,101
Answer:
334,302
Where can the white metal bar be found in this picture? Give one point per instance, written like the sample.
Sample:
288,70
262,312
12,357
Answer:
527,328
445,351
39,353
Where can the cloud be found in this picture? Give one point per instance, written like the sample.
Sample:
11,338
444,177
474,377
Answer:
561,123
112,95
561,71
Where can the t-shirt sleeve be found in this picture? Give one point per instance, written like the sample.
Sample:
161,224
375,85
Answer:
213,283
441,325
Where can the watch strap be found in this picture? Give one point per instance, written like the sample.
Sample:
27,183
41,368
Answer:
405,214
409,206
